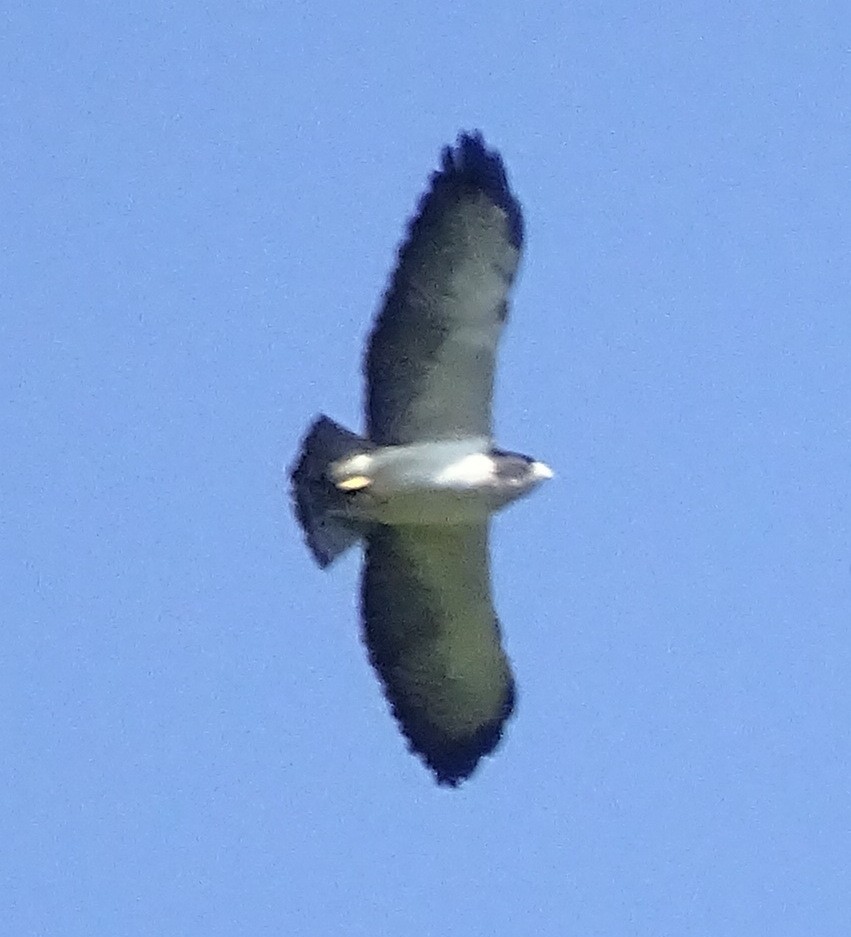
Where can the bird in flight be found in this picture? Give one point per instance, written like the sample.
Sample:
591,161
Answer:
419,487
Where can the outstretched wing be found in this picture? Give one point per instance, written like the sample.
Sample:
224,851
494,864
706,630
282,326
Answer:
430,362
433,638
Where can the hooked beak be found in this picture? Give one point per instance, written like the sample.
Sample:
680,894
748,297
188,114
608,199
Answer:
540,471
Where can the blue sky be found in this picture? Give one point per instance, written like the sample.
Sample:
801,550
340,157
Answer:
201,207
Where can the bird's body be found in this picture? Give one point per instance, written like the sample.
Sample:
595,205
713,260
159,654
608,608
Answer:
444,482
420,487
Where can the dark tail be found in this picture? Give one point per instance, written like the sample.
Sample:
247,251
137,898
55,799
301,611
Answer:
319,505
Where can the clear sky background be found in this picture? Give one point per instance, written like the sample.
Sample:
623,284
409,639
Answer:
200,209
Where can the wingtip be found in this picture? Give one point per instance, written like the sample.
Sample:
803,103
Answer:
454,762
472,160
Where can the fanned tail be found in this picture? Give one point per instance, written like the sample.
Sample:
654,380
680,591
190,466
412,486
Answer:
319,504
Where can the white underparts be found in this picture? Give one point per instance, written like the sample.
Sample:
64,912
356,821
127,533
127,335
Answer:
475,469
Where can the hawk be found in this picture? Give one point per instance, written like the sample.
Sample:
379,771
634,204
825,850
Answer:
419,487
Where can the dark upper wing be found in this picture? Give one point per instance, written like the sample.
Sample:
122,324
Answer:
430,361
433,637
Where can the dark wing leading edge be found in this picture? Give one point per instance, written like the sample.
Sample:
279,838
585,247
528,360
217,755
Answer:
433,638
430,362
